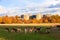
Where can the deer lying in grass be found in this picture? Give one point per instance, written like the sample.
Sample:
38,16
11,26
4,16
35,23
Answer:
14,30
7,29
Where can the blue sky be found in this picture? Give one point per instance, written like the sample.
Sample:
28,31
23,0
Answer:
18,7
20,3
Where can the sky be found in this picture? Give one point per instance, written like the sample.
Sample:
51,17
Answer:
19,7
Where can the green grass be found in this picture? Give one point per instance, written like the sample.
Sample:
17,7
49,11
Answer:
26,36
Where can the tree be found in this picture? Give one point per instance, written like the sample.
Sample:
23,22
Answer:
7,20
53,20
46,21
40,21
1,19
20,21
34,20
14,20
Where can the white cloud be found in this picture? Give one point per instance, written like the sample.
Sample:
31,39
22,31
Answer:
45,3
2,9
31,8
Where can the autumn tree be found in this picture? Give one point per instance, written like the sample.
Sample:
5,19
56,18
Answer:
34,20
1,19
7,20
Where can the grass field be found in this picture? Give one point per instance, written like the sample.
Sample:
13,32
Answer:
27,36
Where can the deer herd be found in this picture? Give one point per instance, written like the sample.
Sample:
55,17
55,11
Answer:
26,29
32,29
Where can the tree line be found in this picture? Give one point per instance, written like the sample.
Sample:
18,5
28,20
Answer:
18,20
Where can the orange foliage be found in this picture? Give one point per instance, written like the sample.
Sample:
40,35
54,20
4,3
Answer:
40,21
17,19
0,19
58,20
34,21
26,21
46,21
53,20
7,19
14,20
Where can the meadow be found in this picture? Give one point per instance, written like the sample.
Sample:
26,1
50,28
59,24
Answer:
4,35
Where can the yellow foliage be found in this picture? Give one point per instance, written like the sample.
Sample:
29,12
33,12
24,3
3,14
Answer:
19,21
40,21
34,21
53,20
1,19
46,21
7,20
